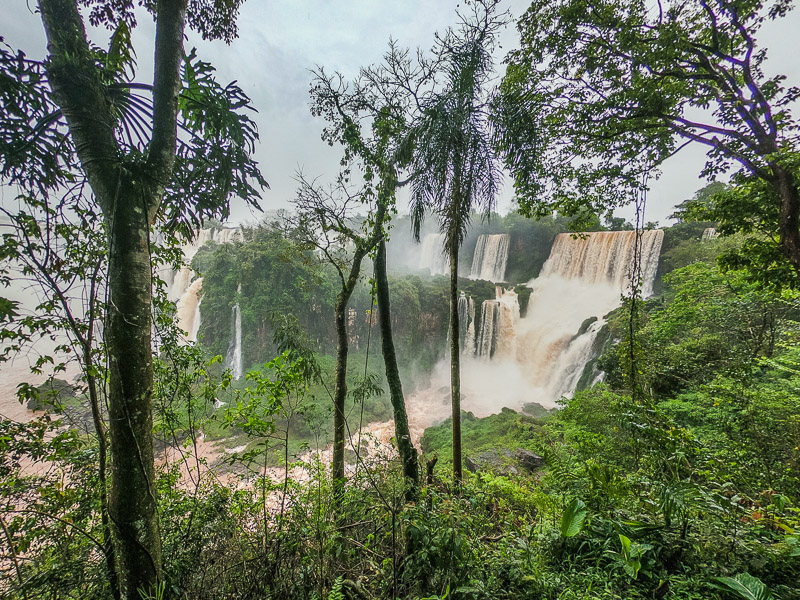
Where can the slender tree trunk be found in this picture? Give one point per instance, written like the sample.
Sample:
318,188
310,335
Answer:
102,443
455,362
408,453
340,392
132,505
789,215
340,384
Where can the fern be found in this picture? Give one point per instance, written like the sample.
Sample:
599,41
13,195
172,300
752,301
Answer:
336,592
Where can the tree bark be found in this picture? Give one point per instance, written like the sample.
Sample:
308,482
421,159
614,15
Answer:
132,506
340,392
408,453
789,215
340,384
455,363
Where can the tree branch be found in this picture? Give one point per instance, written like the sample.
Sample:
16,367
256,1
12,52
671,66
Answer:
166,89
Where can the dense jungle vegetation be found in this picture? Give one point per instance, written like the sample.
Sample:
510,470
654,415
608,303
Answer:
667,491
148,470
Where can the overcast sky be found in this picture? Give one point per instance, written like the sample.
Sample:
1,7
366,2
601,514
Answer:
280,41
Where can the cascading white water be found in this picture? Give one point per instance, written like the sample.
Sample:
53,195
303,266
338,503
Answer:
490,258
584,278
709,233
233,358
499,318
189,310
432,255
605,258
466,320
184,291
489,316
541,357
179,281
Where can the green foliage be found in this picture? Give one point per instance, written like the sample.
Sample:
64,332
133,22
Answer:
708,323
506,429
573,518
596,98
630,556
49,511
744,586
748,208
216,163
336,590
35,153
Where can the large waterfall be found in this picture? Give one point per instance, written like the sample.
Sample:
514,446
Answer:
511,361
432,255
605,258
583,279
490,258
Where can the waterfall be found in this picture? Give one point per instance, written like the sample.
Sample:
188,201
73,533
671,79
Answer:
189,310
604,258
709,233
583,278
499,318
466,323
486,341
490,258
182,289
233,358
178,282
433,256
542,357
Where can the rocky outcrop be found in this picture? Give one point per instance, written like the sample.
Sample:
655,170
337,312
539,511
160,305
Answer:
505,462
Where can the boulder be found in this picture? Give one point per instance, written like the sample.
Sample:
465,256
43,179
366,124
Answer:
505,462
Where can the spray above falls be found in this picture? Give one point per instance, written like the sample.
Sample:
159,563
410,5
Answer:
432,255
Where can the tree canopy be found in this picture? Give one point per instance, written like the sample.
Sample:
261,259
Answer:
599,95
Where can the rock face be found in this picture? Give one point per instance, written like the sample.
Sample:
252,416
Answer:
505,462
50,395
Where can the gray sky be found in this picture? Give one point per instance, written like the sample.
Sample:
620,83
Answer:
280,41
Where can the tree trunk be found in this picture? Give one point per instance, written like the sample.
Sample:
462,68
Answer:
129,199
340,392
455,362
132,505
102,443
789,215
408,453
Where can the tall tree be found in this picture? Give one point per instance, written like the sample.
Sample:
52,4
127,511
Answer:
454,166
123,137
327,221
599,94
384,103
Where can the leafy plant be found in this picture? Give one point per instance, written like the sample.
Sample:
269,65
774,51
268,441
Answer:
573,518
744,586
631,556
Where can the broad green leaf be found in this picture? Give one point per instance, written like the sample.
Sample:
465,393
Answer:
744,586
626,545
573,518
